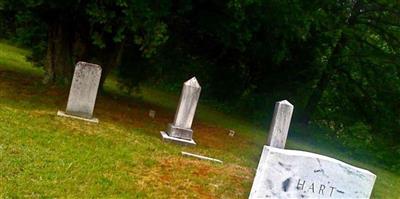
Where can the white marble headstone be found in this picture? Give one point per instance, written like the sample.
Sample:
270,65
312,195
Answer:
180,131
187,104
83,92
297,174
279,128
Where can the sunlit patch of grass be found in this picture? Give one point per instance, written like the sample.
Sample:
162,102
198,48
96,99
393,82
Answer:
14,58
42,155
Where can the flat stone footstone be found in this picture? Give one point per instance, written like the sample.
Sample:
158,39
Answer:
83,92
297,174
201,157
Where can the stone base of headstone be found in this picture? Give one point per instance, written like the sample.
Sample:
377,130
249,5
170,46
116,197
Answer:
178,132
63,114
166,137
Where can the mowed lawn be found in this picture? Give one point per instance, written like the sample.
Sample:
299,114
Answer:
45,156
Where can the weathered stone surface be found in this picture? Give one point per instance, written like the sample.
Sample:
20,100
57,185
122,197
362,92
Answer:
298,174
183,133
181,128
280,124
83,92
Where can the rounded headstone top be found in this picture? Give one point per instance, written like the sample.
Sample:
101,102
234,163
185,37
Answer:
193,83
87,64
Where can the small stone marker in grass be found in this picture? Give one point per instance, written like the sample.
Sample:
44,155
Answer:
83,92
232,133
180,131
285,173
152,114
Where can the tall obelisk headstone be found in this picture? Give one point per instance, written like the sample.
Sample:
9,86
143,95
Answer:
83,92
280,124
285,173
180,131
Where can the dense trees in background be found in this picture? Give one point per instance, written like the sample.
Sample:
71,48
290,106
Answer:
63,32
337,60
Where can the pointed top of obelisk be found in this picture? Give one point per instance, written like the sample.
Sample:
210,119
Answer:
193,83
285,102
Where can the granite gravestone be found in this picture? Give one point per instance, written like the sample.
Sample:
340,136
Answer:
180,131
83,92
297,174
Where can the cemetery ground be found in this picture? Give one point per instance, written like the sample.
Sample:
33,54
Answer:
45,156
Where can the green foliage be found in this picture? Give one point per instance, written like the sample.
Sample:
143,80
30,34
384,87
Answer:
137,21
336,60
61,33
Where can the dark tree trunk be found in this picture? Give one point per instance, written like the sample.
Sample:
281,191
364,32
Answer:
110,60
324,80
58,66
330,69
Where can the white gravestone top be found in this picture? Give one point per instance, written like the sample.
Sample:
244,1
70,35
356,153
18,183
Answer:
297,174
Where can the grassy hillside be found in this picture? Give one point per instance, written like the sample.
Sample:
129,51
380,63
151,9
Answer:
45,156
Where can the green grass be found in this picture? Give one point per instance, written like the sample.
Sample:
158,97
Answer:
13,58
44,156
